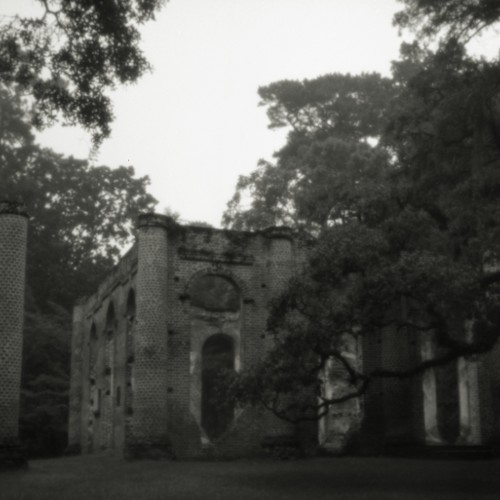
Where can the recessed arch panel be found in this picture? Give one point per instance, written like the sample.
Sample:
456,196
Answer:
214,293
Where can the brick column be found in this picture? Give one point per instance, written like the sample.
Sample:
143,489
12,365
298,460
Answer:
76,382
149,419
280,268
13,238
281,260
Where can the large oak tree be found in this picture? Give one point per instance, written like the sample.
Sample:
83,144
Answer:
410,241
331,163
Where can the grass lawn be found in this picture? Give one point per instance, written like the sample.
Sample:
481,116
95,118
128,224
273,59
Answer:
106,477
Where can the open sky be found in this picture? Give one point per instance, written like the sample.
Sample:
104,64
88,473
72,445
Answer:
193,125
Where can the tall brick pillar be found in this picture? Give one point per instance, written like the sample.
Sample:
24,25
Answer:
76,382
280,268
149,418
281,259
13,239
280,264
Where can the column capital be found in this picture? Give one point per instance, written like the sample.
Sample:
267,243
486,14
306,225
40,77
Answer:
13,208
155,220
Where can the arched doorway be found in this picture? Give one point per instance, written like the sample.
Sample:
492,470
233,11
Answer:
217,358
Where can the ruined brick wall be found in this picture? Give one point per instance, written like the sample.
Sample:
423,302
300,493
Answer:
13,235
246,260
392,408
402,398
489,395
157,344
99,386
76,380
281,262
149,419
137,380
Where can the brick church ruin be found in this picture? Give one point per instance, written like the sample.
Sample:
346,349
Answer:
183,302
186,301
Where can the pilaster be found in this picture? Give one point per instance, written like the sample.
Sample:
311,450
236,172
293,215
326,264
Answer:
149,419
13,240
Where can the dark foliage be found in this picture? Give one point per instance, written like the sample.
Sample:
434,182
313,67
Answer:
330,166
404,210
70,55
80,216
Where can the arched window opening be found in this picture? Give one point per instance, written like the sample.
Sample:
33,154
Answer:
93,350
130,313
215,293
109,331
130,317
110,321
217,358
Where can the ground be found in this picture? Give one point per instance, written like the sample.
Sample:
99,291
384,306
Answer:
109,478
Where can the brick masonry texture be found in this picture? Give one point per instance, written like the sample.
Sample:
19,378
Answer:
137,387
76,394
13,234
137,350
149,421
157,349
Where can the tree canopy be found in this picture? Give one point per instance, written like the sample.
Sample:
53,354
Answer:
458,20
80,215
331,156
404,214
70,56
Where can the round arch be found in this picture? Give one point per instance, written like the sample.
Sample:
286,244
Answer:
239,283
110,325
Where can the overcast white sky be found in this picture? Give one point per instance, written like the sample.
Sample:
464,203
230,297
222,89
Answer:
193,124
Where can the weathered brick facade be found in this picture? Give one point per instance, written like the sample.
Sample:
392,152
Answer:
13,235
185,299
138,379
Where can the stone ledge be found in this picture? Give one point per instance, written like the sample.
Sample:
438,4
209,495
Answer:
215,257
156,220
